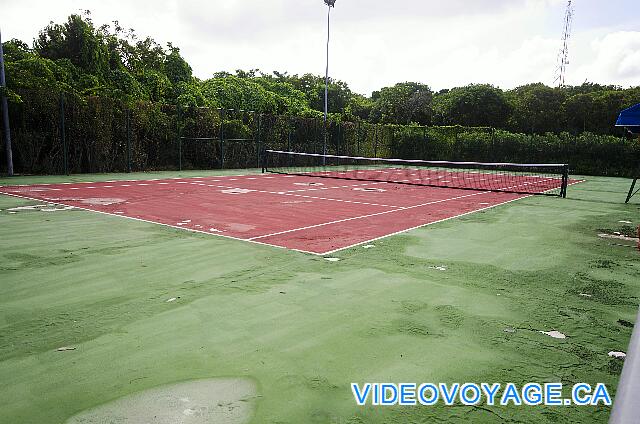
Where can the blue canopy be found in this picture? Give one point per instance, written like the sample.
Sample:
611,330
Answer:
629,117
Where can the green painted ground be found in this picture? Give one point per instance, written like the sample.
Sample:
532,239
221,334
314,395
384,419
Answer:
304,328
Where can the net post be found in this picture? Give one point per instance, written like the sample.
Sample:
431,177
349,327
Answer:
263,160
565,181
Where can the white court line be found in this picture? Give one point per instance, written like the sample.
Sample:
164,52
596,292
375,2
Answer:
524,196
379,213
285,193
158,223
334,200
253,240
332,187
423,225
257,175
337,221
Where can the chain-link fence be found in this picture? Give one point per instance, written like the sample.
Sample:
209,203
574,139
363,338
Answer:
56,133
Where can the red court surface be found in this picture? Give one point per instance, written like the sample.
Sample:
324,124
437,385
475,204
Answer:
304,213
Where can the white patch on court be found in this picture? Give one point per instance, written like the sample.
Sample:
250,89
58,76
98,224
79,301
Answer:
102,201
625,222
43,208
172,299
368,246
56,208
28,189
27,208
618,237
235,226
332,259
618,355
555,334
207,401
370,189
308,184
585,295
439,267
65,348
214,230
237,191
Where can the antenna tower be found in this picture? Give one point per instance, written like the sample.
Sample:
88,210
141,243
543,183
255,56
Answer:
563,54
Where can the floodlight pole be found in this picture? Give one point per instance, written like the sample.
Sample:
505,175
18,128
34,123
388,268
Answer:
330,4
5,114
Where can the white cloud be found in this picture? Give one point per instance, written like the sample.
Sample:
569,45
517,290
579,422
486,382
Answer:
613,58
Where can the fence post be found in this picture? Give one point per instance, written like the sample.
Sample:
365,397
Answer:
63,136
375,142
128,140
289,120
340,142
178,134
423,153
221,138
358,133
259,141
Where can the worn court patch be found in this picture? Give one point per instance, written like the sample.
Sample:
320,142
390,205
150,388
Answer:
211,401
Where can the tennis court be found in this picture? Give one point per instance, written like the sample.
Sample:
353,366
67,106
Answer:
316,212
461,300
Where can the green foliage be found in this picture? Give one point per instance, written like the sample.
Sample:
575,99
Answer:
358,108
176,68
537,108
403,103
473,105
76,40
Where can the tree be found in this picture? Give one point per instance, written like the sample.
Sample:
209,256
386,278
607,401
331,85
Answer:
472,105
176,68
537,108
403,103
78,41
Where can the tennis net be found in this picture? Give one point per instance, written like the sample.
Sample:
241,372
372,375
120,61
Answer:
549,179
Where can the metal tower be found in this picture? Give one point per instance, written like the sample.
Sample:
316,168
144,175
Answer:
563,54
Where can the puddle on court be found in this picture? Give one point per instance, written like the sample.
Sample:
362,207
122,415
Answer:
210,401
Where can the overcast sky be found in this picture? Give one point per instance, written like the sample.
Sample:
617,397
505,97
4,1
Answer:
374,43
